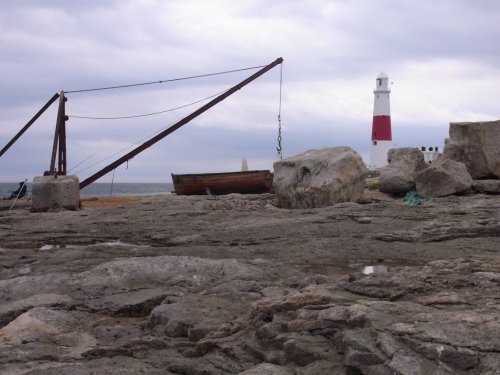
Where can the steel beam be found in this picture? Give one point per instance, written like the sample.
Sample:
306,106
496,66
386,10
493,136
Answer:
178,124
29,123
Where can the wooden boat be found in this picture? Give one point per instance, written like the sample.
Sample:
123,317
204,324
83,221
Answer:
247,182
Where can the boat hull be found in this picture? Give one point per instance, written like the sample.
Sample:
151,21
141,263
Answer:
248,182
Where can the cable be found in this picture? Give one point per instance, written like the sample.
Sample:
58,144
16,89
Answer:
280,148
133,144
162,81
84,160
146,114
118,152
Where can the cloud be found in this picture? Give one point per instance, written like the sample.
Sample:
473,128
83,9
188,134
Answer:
441,56
443,91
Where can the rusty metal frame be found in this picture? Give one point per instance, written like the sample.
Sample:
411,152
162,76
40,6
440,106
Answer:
178,124
59,145
28,124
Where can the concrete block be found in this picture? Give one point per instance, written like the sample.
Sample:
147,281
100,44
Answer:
51,192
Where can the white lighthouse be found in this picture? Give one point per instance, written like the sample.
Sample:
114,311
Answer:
381,127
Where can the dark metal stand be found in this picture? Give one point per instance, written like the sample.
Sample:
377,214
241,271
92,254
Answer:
59,146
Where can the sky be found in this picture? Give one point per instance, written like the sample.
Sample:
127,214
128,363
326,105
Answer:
442,58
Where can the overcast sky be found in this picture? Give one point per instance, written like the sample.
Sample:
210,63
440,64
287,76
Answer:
442,57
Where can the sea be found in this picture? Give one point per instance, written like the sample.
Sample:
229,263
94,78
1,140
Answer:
101,189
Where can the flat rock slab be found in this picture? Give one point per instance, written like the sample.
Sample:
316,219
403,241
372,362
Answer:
228,285
486,186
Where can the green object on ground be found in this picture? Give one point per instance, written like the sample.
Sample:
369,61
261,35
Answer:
413,199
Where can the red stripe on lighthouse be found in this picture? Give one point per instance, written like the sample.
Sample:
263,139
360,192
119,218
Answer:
381,129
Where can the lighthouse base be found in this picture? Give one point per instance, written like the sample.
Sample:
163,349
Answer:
378,155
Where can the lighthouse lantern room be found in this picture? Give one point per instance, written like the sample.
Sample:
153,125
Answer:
381,127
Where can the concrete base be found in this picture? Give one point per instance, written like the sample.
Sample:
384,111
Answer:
51,192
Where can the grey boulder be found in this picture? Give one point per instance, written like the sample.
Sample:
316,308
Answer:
399,176
319,178
476,144
443,178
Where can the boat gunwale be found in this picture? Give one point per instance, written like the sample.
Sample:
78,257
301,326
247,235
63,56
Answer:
222,173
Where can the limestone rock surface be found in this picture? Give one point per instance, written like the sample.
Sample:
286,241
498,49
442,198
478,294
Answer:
399,176
476,144
319,178
170,285
444,177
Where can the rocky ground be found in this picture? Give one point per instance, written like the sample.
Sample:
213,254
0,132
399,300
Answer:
232,284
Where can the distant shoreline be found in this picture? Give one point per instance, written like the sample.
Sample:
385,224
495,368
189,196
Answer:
105,189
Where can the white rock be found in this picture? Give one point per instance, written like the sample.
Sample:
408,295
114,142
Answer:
476,144
399,176
319,178
443,178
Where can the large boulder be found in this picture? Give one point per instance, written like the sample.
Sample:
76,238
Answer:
444,177
319,178
476,144
399,176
